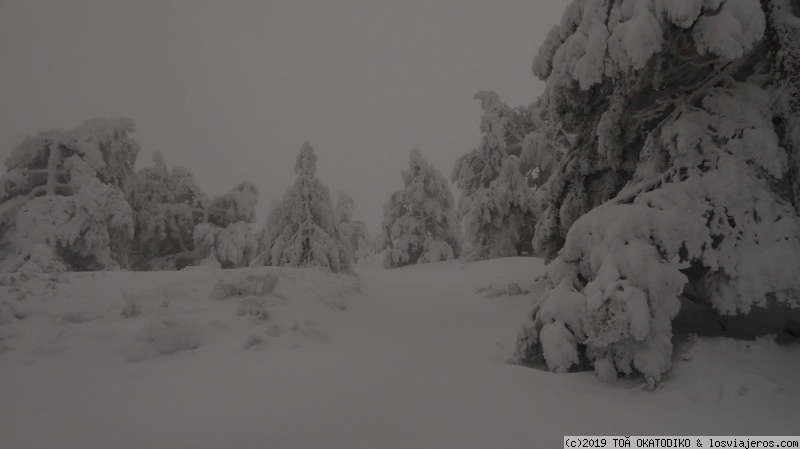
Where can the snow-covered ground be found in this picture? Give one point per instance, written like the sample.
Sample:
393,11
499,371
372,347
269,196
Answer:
405,358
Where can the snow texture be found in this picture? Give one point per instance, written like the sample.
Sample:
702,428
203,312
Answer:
161,338
418,360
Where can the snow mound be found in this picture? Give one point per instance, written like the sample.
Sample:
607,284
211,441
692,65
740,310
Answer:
734,386
249,286
727,369
163,337
255,307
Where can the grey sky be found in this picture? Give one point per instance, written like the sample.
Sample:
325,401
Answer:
232,89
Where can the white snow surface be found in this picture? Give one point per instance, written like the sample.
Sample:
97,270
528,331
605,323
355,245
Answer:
412,357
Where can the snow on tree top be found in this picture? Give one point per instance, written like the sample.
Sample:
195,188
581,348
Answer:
306,161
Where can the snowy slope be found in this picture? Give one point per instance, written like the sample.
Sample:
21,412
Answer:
410,357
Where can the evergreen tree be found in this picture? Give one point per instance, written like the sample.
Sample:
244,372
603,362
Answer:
420,223
354,230
498,222
167,205
499,218
679,180
301,230
225,232
63,199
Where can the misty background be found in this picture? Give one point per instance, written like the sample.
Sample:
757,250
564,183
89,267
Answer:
232,89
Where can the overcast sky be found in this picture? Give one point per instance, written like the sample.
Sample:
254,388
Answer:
232,89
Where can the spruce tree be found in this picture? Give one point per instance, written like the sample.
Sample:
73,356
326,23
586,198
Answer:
681,179
167,205
301,229
420,223
63,199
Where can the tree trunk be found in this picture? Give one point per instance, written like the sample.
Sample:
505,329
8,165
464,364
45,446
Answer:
52,169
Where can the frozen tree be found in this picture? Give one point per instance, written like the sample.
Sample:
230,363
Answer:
503,130
782,40
420,223
63,198
301,230
167,205
679,180
498,222
354,230
237,205
497,217
225,233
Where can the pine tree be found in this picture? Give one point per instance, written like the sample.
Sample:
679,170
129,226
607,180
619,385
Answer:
498,222
354,230
676,182
225,232
63,199
420,223
167,205
499,218
301,230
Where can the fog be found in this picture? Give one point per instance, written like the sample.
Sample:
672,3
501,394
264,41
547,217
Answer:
232,89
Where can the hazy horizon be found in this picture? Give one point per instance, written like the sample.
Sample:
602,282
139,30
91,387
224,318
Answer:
232,90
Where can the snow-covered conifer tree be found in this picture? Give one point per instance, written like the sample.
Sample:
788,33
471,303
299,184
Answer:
499,223
420,223
301,230
63,198
498,216
679,180
225,232
167,205
355,230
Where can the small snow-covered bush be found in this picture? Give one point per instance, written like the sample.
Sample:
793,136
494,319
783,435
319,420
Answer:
253,340
163,337
7,280
253,306
494,293
131,306
251,285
